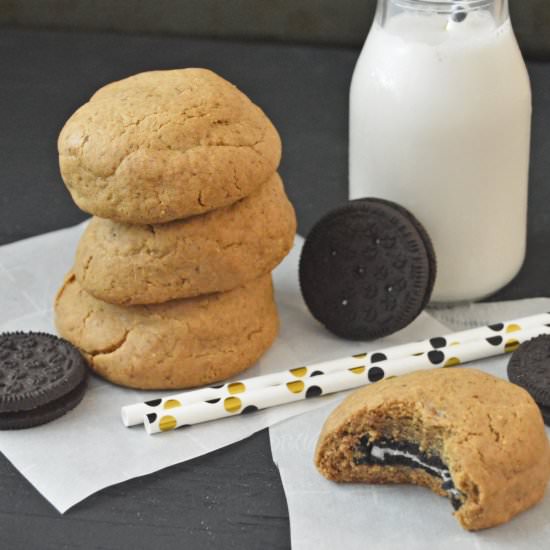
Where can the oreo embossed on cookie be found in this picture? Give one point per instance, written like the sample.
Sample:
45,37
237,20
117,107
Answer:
529,367
367,269
41,378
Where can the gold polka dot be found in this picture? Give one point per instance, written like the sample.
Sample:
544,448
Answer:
357,370
511,345
295,387
390,377
452,362
171,404
299,372
418,354
360,356
455,343
513,327
236,387
232,404
167,423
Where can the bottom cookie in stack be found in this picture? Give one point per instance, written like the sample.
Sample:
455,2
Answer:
177,344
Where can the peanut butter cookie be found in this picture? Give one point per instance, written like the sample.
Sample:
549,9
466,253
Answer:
464,434
218,251
164,145
178,344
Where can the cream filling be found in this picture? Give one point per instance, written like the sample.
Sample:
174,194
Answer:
382,452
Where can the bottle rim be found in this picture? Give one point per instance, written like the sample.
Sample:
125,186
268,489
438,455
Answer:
444,6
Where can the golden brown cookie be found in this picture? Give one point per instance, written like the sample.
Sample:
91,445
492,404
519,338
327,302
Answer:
218,251
179,344
164,145
474,438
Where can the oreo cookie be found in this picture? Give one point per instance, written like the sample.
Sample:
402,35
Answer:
529,367
367,269
41,378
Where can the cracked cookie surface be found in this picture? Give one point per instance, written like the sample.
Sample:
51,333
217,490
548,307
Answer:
165,145
178,344
421,428
218,251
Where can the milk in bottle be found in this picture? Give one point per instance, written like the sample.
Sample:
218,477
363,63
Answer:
440,111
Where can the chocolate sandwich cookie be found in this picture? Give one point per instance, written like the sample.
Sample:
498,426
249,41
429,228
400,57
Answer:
529,367
41,378
459,432
367,269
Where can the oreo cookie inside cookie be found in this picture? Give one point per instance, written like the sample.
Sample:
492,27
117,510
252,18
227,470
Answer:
41,378
367,269
385,452
529,367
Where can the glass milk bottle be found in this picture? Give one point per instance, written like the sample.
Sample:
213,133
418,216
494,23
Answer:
440,114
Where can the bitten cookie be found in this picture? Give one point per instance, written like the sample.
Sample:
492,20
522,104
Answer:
464,434
164,145
179,344
218,251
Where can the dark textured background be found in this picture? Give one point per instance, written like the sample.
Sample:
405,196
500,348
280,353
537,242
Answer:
342,22
231,498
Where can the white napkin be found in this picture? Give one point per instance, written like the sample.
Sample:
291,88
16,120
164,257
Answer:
326,515
89,448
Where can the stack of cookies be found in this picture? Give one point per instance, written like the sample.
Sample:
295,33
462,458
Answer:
171,286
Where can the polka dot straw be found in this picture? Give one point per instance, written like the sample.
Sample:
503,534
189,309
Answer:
134,414
325,382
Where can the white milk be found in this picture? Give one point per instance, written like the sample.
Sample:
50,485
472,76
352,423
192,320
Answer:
440,122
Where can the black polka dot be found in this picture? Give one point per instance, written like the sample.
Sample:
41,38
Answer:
249,409
495,340
375,374
377,357
313,391
438,342
217,386
213,401
459,15
153,402
497,327
435,356
151,417
317,373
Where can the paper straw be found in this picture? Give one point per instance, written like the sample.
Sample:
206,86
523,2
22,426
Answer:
134,414
343,379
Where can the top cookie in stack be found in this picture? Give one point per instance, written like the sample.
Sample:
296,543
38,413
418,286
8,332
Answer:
171,284
165,145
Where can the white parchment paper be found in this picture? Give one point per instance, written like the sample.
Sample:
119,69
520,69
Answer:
326,515
66,460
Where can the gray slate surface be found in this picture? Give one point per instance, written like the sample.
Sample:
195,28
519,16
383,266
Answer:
233,497
343,22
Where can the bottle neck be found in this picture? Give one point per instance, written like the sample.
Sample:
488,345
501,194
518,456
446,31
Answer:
456,11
